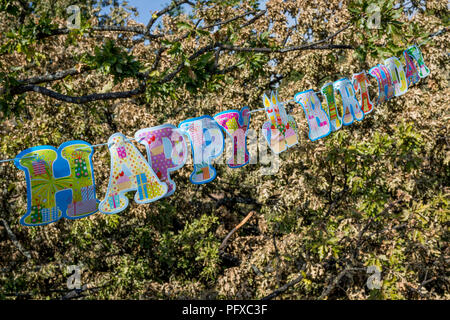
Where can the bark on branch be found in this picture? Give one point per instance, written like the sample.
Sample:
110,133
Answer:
14,240
170,7
132,29
279,291
81,99
30,84
236,228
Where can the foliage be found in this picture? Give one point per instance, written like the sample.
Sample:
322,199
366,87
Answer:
374,193
113,60
192,252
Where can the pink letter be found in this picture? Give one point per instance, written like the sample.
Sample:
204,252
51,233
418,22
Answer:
236,124
166,150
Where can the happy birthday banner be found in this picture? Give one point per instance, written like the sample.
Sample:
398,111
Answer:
60,182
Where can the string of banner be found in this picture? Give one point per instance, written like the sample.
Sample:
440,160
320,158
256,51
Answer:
60,181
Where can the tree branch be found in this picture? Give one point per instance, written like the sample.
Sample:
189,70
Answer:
334,283
54,76
196,54
307,46
236,228
28,85
14,240
256,17
133,29
284,50
81,99
236,18
279,291
173,5
162,49
62,74
74,71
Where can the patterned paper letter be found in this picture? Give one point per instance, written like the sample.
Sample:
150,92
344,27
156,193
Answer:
207,143
129,171
236,123
360,83
352,109
166,149
60,182
317,118
332,110
412,75
398,74
385,86
281,130
415,53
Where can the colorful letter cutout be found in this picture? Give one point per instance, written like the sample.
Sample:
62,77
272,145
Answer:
332,109
317,118
412,75
281,130
398,75
385,86
60,182
236,123
360,84
129,171
351,106
207,143
166,150
415,53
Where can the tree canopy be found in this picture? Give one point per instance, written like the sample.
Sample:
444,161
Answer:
371,194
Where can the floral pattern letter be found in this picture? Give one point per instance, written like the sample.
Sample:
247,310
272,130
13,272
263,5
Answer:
398,75
332,110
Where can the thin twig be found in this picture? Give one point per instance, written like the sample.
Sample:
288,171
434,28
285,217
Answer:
13,238
334,283
225,241
279,291
170,7
277,255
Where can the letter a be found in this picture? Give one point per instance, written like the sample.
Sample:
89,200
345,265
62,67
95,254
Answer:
129,171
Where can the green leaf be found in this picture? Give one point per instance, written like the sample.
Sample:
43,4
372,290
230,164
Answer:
184,26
